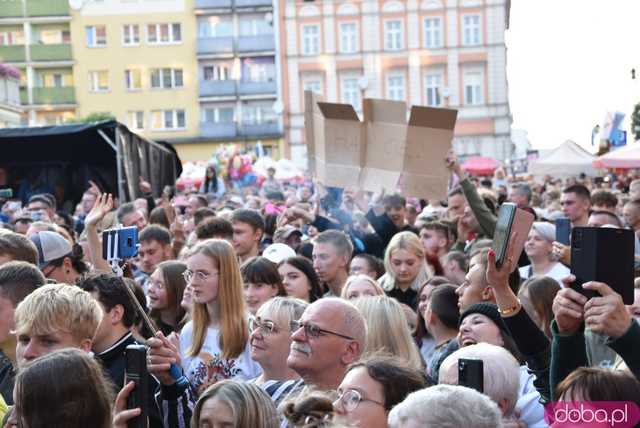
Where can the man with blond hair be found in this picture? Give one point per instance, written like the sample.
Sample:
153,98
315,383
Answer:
55,316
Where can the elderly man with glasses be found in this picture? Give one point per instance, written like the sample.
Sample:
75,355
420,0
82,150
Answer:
330,335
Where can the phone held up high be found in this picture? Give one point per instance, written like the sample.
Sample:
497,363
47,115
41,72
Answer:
136,371
120,243
510,219
471,374
563,230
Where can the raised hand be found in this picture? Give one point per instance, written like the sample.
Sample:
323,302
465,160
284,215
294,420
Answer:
568,308
120,413
144,186
102,205
452,164
606,314
162,353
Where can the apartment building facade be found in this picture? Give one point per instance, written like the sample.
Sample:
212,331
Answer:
441,53
35,38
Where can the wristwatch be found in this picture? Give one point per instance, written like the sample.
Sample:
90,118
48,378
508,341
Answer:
511,310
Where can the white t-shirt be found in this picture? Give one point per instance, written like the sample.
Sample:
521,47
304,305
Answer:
557,272
209,367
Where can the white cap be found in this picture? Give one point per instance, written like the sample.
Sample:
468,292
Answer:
276,253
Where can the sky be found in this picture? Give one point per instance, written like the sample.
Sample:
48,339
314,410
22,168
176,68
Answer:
568,63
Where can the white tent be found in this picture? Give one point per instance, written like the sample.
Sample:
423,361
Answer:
568,159
625,157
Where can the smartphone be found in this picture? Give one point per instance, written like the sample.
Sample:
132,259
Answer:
510,219
6,193
120,243
136,371
563,230
603,254
471,374
37,215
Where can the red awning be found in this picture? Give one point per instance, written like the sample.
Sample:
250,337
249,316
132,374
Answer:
480,165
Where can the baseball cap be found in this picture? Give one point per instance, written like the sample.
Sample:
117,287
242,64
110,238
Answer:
276,253
284,232
51,246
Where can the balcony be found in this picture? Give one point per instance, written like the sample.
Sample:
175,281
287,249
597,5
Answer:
213,4
217,88
47,8
253,3
255,88
262,43
56,52
215,45
218,130
14,53
42,96
260,129
10,8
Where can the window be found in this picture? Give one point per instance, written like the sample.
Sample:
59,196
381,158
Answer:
160,34
393,35
310,39
11,37
96,35
130,35
351,92
257,113
136,120
162,120
215,26
58,80
222,114
395,87
166,78
220,71
258,69
471,30
255,26
433,86
473,87
99,81
433,33
348,37
313,85
133,79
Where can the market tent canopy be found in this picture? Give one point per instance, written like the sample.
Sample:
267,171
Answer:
568,159
480,165
61,160
626,157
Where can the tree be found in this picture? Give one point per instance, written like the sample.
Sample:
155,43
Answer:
635,122
93,117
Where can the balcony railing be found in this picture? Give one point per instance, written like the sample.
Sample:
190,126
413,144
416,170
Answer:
15,53
259,129
47,7
215,45
42,96
254,88
253,3
262,43
218,130
56,52
213,4
216,88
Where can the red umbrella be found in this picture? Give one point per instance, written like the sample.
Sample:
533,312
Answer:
480,165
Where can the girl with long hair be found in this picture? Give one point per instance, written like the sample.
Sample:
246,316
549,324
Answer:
166,290
214,345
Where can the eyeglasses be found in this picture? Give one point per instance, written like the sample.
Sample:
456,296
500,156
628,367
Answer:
266,327
314,331
189,274
350,398
49,271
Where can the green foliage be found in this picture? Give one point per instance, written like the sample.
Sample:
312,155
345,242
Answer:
93,117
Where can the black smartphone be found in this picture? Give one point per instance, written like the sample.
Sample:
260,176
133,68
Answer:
471,374
603,254
136,371
563,230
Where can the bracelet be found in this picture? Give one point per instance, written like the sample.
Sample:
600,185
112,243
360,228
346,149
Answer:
510,311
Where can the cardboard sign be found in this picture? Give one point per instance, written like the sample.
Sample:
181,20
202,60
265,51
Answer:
382,151
429,135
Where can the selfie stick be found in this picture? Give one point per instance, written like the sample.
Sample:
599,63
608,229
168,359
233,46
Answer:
113,258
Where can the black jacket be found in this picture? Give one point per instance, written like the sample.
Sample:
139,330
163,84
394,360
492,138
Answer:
114,364
7,378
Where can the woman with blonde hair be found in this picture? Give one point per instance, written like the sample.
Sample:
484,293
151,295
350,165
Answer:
235,404
214,345
361,285
406,267
384,315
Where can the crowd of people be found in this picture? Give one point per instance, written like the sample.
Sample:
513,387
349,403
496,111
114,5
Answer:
296,305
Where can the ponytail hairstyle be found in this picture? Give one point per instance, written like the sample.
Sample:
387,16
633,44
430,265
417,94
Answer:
234,327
